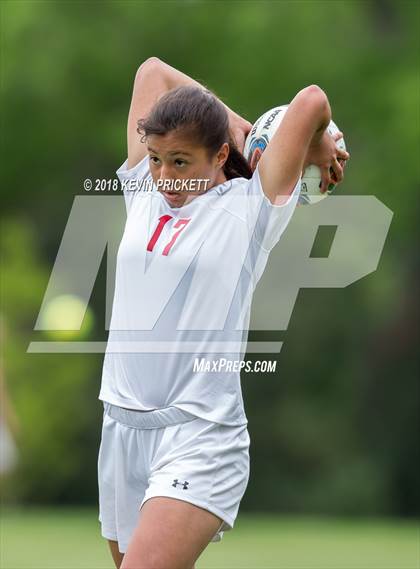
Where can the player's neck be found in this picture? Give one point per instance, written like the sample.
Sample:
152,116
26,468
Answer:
220,178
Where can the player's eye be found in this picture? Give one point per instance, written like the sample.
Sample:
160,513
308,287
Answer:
179,162
154,159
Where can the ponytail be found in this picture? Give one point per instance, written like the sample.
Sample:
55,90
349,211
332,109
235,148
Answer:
236,165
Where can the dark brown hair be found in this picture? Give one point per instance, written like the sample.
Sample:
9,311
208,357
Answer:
200,116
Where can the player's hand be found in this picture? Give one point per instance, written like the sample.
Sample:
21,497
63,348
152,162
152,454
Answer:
239,128
330,159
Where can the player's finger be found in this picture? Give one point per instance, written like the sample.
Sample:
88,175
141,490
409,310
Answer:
337,171
247,128
239,138
343,154
325,179
337,136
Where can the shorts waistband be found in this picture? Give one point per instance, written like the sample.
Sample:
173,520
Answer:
147,419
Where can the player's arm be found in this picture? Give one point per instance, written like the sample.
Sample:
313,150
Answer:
302,132
153,79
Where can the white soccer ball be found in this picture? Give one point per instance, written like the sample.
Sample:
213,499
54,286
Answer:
261,134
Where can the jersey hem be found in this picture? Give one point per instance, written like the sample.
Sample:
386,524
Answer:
186,408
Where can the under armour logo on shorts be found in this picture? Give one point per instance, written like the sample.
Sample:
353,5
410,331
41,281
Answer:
183,484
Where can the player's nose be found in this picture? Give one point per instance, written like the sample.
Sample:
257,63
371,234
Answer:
165,172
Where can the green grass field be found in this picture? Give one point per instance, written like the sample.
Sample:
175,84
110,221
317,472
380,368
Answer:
70,539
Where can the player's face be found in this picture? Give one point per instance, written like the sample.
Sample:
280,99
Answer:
173,157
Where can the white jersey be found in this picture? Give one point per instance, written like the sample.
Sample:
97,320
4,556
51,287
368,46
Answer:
184,283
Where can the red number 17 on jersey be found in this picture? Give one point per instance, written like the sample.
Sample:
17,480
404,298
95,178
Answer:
163,219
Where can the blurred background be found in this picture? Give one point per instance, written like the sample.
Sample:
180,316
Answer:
334,432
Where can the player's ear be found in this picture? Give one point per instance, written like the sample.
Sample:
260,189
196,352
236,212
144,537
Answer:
222,155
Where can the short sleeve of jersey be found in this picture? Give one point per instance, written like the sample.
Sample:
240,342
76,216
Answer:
134,181
268,221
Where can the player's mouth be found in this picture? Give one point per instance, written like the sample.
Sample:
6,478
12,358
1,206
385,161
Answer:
173,197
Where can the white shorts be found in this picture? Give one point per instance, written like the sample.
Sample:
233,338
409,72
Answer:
168,452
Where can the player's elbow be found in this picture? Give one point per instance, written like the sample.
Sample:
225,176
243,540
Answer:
314,101
313,89
150,66
315,94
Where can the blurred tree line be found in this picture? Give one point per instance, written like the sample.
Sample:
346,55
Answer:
335,430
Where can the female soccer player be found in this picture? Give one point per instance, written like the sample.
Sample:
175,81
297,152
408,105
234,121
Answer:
173,463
